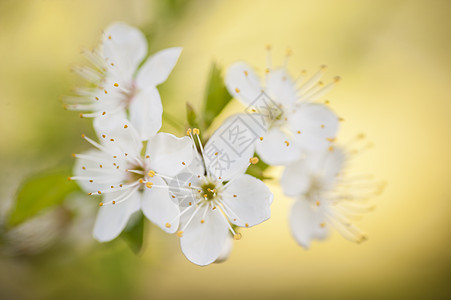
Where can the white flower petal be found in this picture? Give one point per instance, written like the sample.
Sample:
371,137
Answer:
234,141
307,222
281,87
159,207
243,83
169,154
226,250
158,67
247,201
327,163
146,112
316,123
102,177
118,135
296,178
124,46
277,148
202,243
178,188
112,219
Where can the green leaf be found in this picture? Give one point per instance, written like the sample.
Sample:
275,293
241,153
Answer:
258,169
133,234
191,116
40,191
216,96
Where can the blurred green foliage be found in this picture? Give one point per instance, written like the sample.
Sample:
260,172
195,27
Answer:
41,191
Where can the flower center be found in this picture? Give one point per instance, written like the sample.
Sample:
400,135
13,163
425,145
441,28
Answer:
209,191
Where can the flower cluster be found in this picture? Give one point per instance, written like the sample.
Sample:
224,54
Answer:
201,191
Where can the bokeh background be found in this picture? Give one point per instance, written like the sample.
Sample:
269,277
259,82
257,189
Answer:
394,59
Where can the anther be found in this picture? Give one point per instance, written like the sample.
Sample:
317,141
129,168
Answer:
267,70
99,192
69,179
106,92
141,180
253,160
113,202
180,233
188,132
90,180
298,132
116,84
322,225
183,163
317,203
103,113
246,73
287,143
322,126
196,131
331,148
151,173
261,138
112,140
168,225
109,37
101,204
125,126
330,139
237,90
100,166
247,225
97,98
104,136
234,196
202,221
84,168
237,236
149,184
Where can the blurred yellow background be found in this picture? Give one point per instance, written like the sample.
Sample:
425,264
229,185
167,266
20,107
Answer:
394,59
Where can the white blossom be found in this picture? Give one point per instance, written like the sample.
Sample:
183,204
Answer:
293,118
127,180
118,85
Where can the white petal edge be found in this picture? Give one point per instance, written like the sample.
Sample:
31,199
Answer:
146,112
125,46
296,178
203,243
243,83
159,207
305,223
247,201
158,67
277,148
169,154
234,141
112,219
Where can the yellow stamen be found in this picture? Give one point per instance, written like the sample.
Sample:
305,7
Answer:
253,160
151,173
237,236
